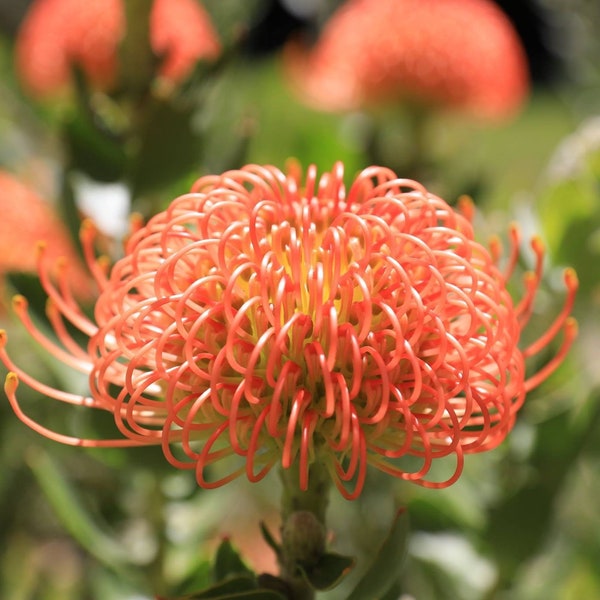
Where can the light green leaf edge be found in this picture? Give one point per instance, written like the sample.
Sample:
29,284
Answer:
385,569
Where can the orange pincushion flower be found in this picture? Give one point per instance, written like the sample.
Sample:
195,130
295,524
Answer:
59,34
182,33
289,324
462,54
26,220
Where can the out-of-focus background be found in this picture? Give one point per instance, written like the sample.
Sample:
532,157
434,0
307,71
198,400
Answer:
523,522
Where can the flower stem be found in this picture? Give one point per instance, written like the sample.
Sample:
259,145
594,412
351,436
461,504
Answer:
314,499
303,529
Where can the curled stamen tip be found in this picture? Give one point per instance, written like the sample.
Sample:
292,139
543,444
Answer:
515,232
530,278
538,245
51,308
571,328
11,383
571,279
466,207
3,338
136,222
19,303
495,246
104,262
87,229
62,262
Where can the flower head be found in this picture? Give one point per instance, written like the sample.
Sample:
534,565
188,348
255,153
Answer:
461,54
277,322
57,35
20,205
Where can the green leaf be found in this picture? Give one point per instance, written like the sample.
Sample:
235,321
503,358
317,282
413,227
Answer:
199,578
268,537
71,511
328,571
527,513
228,563
385,569
238,588
225,589
253,595
167,146
92,150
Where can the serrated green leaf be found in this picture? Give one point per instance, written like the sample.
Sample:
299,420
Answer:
385,569
228,563
329,570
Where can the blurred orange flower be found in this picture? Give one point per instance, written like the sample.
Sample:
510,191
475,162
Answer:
28,220
57,35
274,321
461,54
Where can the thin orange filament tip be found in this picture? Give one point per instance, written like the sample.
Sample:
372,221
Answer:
3,338
496,249
19,303
571,328
571,279
40,247
466,207
136,222
11,383
515,233
87,229
62,263
104,262
538,245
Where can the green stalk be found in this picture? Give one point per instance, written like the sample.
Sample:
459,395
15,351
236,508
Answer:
303,530
314,499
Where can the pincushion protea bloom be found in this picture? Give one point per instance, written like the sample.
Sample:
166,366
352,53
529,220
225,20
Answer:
460,54
26,219
59,34
294,324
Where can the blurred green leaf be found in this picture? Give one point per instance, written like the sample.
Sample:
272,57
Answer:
198,579
238,588
73,515
92,149
268,537
166,147
571,221
328,571
519,524
228,563
385,569
568,205
225,589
